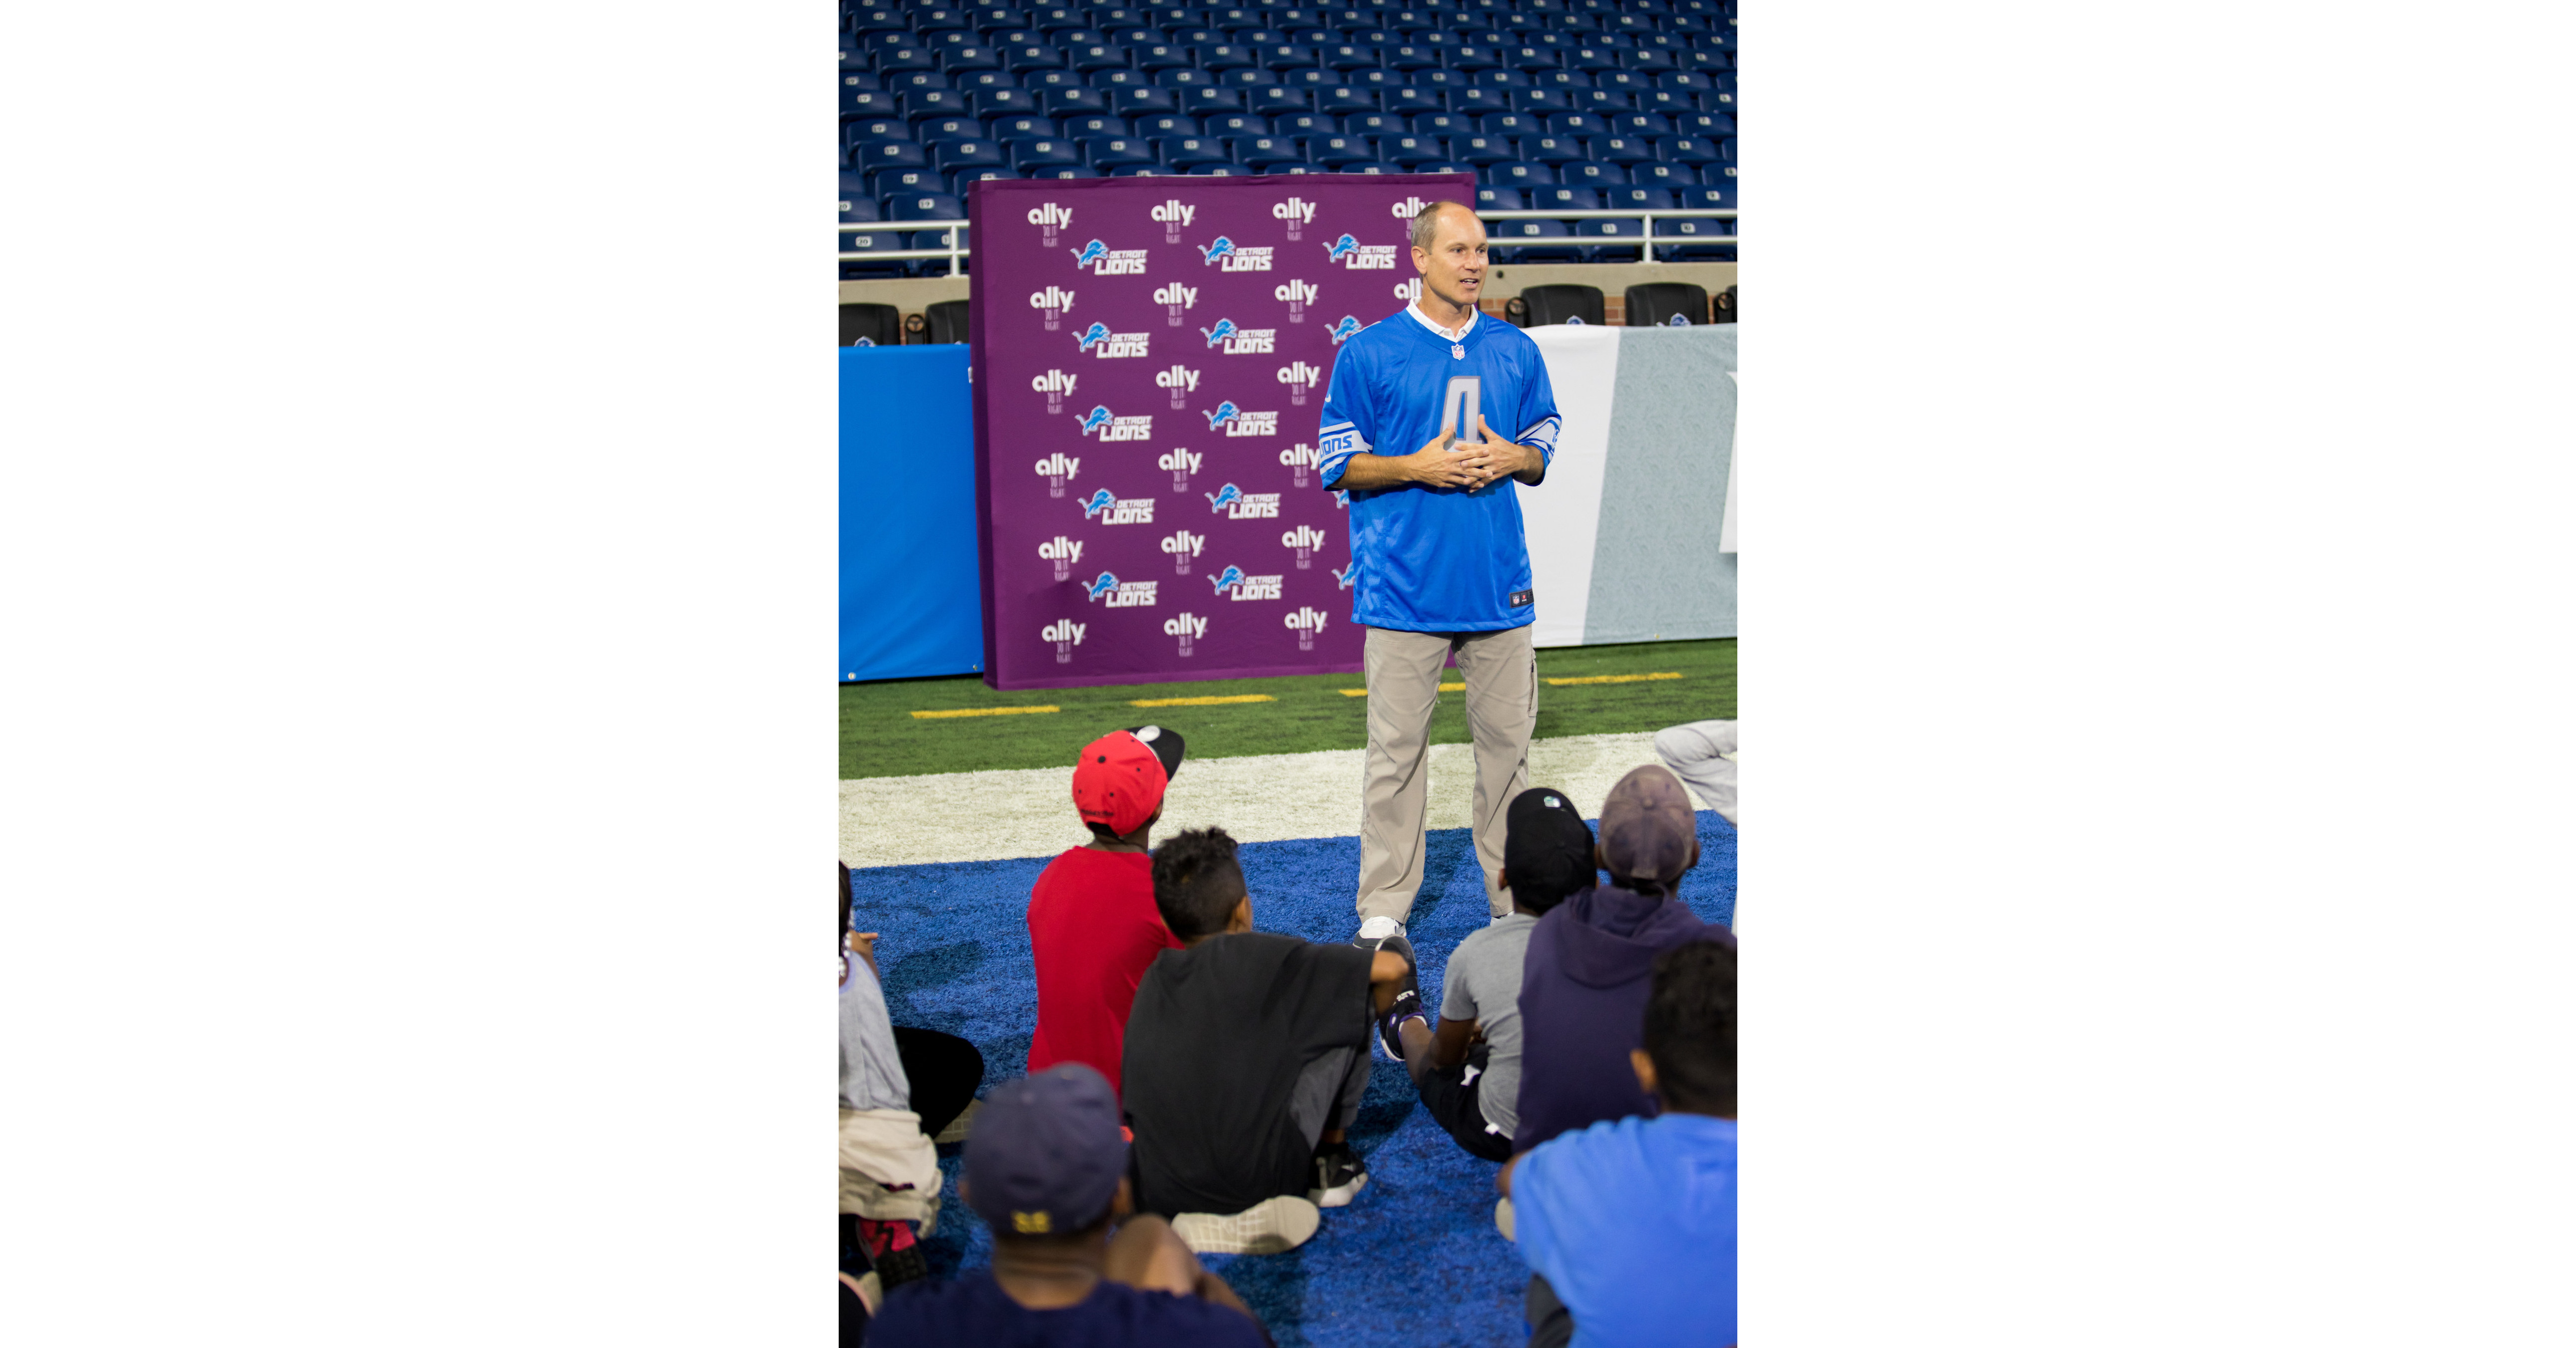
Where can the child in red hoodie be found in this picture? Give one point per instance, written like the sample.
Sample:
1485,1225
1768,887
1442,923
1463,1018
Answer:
1093,926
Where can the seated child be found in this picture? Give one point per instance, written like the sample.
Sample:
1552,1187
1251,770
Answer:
1585,978
1629,1226
1092,923
1247,1056
1469,1073
1046,1170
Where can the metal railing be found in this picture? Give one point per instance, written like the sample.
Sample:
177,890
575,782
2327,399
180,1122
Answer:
956,252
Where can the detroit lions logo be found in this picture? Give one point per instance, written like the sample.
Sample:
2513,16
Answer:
1107,582
1100,500
1346,574
1095,335
1223,247
1220,498
1233,574
1348,328
1099,417
1677,321
1089,253
1224,328
1224,413
1341,248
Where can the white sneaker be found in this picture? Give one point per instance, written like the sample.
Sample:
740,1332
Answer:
1380,928
1267,1227
1503,1218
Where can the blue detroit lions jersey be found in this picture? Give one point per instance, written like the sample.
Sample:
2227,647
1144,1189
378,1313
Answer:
1435,559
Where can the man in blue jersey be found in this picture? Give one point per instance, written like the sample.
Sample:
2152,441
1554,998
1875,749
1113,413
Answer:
1436,545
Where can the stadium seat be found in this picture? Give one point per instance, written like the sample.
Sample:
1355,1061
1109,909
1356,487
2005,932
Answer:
1065,171
1552,149
1641,125
940,17
990,105
1501,199
1273,100
886,184
1033,156
1637,199
873,155
1479,100
1516,241
924,206
1245,79
1188,152
1664,304
1071,102
1235,124
1305,124
923,104
1108,153
1511,125
1621,150
1549,305
1142,100
1443,125
1218,171
961,60
939,129
1520,174
1095,125
1211,100
1225,56
1411,56
1288,56
1720,245
1336,152
856,131
1633,230
871,325
1541,102
1020,60
894,60
1686,150
951,155
1010,129
973,82
1262,152
1586,60
962,182
1410,150
1342,99
1093,58
1160,57
1709,126
1157,127
1409,100
1592,173
878,19
1374,125
1579,125
1560,197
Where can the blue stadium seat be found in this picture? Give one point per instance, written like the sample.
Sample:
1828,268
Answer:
1563,198
1634,230
940,17
1157,127
858,206
1442,125
878,43
1370,167
1530,59
1067,171
1263,152
975,82
993,104
1473,58
871,155
1410,150
1600,102
1272,100
1009,129
1552,149
1056,18
1410,56
1347,56
1482,149
1520,174
1705,125
1093,57
1210,100
1224,56
1189,152
1374,125
1245,79
1592,173
860,79
859,131
903,82
888,184
1288,56
924,206
1335,152
1304,124
1501,199
1345,98
1479,100
1580,125
1523,246
1649,61
867,103
1107,153
1161,56
963,180
1141,100
1510,125
1034,56
960,60
938,129
909,57
1686,150
1411,99
1588,59
879,19
1219,171
1672,177
1236,20
924,104
1541,102
1638,198
1621,150
1091,128
1670,103
1034,156
950,156
1641,125
1235,124
1061,103
1711,230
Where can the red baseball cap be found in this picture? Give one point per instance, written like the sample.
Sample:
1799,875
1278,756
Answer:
1120,778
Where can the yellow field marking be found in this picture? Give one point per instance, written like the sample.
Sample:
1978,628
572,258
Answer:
1201,701
981,711
1610,678
1362,692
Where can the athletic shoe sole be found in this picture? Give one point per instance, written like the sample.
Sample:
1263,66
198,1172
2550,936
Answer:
1390,1043
1267,1227
1340,1195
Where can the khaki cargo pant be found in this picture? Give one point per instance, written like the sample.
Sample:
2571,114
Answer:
1403,670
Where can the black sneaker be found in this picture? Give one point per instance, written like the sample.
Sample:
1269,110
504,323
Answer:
1338,1176
1408,997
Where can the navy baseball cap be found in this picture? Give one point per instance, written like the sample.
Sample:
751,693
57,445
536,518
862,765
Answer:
1045,1156
1547,850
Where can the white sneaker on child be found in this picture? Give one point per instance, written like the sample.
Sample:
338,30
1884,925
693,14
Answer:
1267,1227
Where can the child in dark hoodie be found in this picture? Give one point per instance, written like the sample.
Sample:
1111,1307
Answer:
1591,960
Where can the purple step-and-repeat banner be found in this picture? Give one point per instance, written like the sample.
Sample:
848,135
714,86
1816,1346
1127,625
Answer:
1149,366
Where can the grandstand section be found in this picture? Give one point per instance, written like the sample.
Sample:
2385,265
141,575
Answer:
1602,133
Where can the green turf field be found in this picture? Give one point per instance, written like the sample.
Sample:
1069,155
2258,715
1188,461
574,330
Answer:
881,738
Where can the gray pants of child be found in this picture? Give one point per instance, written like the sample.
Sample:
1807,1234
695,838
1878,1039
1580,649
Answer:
1500,670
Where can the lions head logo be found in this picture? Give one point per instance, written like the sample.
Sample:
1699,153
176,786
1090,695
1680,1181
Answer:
1223,247
1341,248
1098,417
1090,252
1345,574
1100,500
1224,328
1225,412
1233,574
1095,335
1343,331
1107,582
1220,498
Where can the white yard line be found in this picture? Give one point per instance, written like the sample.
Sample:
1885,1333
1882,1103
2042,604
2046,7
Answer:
993,816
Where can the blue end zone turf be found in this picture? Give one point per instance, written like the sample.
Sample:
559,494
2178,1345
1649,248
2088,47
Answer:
1415,1260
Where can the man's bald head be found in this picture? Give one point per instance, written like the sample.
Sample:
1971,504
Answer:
1426,222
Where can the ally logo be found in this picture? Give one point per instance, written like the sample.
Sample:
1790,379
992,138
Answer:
1049,218
1122,593
1174,298
1299,459
1111,510
1106,345
1188,627
1066,634
1238,422
1237,504
1303,540
1054,384
1409,291
1241,587
1357,256
1052,301
1408,208
1099,422
1301,378
1057,469
1299,294
1062,551
1306,622
1182,381
1104,260
1343,331
1227,255
1298,212
1182,463
1173,215
1182,548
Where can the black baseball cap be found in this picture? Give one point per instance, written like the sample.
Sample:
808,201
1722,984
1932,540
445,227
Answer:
1046,1155
1546,847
